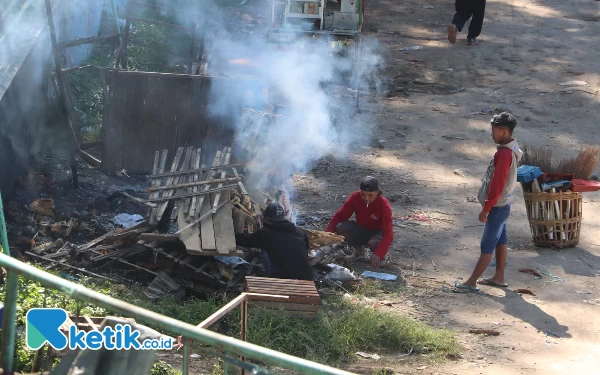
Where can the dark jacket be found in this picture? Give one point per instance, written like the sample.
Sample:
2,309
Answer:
286,246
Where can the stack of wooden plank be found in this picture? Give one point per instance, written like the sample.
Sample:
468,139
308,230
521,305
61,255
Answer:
303,298
204,199
318,239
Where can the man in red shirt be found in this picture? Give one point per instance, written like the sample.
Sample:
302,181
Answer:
373,226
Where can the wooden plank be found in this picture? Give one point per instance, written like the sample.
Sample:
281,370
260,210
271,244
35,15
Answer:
290,284
150,237
198,193
207,231
88,40
173,180
163,206
193,170
192,184
185,202
306,293
191,208
286,306
186,164
301,291
90,159
223,175
212,253
157,181
151,123
224,231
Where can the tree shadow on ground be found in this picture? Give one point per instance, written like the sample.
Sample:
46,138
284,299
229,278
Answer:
574,261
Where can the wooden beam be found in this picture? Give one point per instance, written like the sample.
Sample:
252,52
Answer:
159,237
192,184
76,68
186,195
90,159
195,170
88,40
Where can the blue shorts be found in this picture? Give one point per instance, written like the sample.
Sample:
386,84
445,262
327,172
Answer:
494,233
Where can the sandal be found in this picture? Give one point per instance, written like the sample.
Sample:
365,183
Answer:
465,289
452,34
490,282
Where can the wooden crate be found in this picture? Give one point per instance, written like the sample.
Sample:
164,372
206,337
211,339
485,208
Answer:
303,298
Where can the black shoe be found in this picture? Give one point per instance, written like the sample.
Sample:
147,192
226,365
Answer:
472,41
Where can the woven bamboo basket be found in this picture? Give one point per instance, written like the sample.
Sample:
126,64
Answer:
554,218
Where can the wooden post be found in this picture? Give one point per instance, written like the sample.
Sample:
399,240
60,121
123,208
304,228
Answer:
69,122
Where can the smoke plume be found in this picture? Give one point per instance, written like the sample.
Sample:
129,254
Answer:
310,88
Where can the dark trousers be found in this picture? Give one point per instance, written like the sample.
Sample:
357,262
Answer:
464,10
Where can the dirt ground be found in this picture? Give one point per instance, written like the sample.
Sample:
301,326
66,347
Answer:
435,124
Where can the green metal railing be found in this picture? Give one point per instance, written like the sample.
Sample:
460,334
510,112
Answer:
224,347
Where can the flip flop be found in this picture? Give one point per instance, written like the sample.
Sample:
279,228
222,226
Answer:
465,289
489,282
452,34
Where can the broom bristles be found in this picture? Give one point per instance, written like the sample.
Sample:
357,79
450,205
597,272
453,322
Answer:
582,166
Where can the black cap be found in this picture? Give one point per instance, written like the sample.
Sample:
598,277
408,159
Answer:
275,213
369,183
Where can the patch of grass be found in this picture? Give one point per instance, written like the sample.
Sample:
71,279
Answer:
345,328
163,368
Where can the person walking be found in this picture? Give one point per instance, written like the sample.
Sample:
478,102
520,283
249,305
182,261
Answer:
466,9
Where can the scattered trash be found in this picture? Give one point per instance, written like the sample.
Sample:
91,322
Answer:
421,368
449,69
548,332
531,271
487,332
44,206
127,221
413,48
369,355
379,275
339,273
460,173
194,356
525,291
583,292
472,200
574,83
161,285
457,137
231,260
595,302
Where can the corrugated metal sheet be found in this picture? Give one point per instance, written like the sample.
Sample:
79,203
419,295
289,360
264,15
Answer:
25,54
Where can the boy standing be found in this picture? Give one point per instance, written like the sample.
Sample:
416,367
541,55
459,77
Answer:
464,10
495,195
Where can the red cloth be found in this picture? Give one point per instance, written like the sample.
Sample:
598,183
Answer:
502,162
378,216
